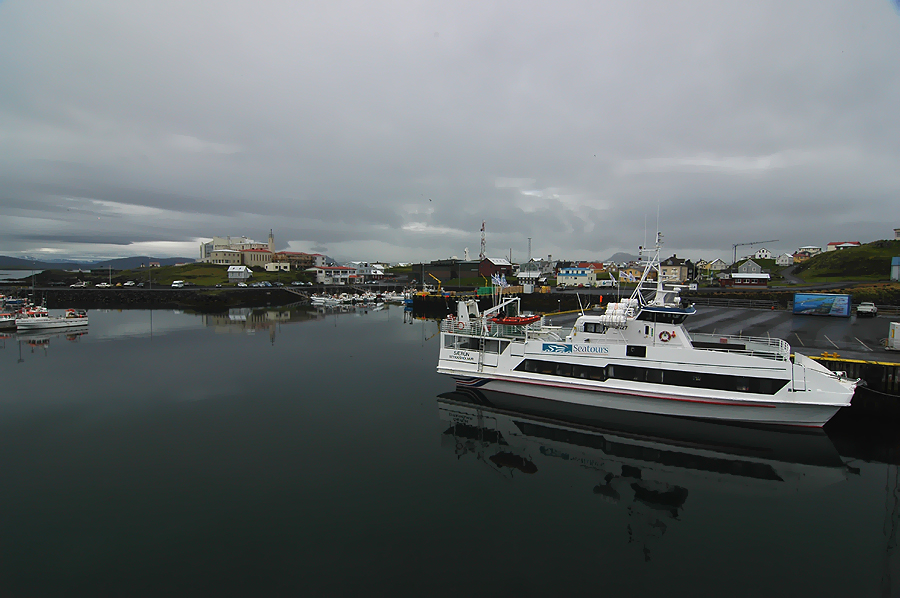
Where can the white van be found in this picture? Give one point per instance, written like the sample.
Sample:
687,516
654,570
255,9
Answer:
177,284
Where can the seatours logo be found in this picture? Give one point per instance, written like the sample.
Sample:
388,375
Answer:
556,348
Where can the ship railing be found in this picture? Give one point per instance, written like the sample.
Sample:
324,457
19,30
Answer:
476,327
757,346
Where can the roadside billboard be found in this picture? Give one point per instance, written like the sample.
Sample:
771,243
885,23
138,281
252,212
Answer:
822,304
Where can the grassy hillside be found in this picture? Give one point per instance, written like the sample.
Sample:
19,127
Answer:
868,262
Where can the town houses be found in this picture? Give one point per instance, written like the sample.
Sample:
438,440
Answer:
243,255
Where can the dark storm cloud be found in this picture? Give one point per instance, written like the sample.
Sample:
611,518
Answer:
392,130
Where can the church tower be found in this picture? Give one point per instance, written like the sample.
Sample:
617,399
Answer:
271,241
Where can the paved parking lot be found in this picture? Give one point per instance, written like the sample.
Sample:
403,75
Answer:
853,338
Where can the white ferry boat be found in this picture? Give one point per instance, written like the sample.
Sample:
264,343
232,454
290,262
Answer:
638,356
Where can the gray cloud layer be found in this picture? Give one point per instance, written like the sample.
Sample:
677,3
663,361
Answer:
391,130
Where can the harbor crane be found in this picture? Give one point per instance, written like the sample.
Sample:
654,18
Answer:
736,245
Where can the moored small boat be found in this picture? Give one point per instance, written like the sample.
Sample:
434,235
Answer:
41,320
7,321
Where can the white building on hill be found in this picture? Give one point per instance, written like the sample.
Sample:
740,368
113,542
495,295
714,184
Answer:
233,244
785,259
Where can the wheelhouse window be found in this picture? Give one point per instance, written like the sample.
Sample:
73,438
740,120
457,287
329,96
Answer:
662,317
457,341
595,327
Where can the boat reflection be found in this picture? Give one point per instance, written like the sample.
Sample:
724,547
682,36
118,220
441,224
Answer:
651,465
43,337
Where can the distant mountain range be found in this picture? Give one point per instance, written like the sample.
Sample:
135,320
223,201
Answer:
621,258
123,263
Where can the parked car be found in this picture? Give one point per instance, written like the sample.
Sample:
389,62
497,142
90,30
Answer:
103,285
218,286
140,284
866,308
278,284
78,285
130,283
297,283
242,284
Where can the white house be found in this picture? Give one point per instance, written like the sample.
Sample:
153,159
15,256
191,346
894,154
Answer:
763,254
367,271
810,249
785,259
276,266
239,273
529,273
334,274
576,276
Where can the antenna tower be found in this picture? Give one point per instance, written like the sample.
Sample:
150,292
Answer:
529,249
481,255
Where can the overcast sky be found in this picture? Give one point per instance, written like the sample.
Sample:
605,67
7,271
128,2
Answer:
390,130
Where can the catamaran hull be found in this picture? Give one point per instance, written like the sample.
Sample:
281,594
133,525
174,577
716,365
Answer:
642,401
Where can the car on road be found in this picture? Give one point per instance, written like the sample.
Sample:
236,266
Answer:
242,284
866,308
130,283
104,285
78,285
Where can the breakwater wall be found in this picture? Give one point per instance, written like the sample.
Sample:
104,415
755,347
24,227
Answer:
210,300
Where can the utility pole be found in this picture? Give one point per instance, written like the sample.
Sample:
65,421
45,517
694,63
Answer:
529,249
481,255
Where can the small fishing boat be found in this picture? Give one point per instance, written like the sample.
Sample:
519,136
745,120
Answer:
7,321
40,319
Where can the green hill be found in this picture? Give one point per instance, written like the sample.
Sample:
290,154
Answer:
871,261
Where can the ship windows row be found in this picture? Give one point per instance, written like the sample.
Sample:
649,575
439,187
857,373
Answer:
472,343
654,376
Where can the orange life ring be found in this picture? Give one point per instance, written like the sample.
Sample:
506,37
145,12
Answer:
664,336
461,325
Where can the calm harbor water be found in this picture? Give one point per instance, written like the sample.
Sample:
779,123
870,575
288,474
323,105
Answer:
272,452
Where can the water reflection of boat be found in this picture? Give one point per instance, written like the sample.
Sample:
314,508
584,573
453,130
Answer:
43,337
647,463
